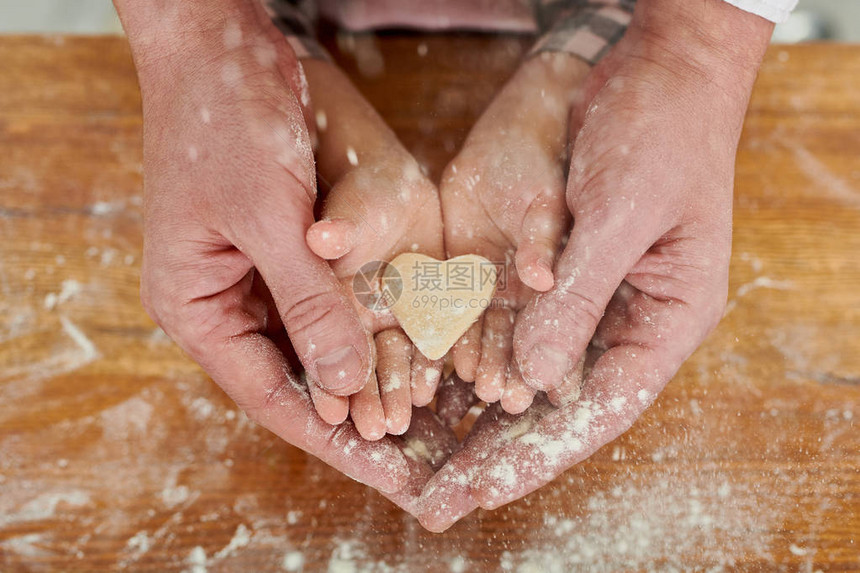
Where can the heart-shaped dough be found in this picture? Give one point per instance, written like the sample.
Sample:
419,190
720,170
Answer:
440,300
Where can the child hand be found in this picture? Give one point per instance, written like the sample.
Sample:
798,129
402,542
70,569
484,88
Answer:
379,205
503,198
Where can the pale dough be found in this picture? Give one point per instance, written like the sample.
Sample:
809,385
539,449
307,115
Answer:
440,300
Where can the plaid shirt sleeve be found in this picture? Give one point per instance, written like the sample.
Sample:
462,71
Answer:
585,28
297,20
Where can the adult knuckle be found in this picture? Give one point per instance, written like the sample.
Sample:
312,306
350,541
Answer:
714,313
309,311
159,304
198,344
256,408
587,187
149,302
338,436
192,330
584,311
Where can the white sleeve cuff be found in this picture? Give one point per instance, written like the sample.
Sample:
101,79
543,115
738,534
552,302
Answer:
774,10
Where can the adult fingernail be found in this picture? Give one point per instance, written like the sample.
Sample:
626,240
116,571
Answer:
545,367
338,371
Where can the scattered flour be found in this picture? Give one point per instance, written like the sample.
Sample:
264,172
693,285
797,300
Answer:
431,375
346,557
763,282
457,564
27,546
72,351
201,408
197,560
418,448
240,539
661,526
127,419
173,496
618,403
351,156
45,506
507,474
823,178
582,417
393,383
101,208
68,289
293,561
140,543
797,550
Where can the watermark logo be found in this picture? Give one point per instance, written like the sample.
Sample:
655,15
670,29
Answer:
455,276
377,285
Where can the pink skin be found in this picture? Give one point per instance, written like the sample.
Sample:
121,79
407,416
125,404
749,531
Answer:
426,446
666,232
395,359
228,275
645,271
331,408
203,234
448,495
454,398
425,378
379,205
230,188
503,198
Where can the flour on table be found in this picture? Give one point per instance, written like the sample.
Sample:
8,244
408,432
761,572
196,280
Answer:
139,543
293,561
240,539
68,289
197,560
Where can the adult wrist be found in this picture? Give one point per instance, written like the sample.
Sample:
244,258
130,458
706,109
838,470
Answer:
162,35
717,41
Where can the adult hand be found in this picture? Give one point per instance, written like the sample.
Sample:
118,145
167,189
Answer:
230,188
645,269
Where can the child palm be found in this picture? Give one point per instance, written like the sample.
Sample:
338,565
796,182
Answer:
379,205
503,198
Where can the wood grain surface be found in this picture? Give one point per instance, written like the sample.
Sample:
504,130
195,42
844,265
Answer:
118,452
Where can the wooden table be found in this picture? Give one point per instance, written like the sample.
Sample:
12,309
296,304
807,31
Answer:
118,452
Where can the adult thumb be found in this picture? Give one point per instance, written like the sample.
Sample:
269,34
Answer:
553,332
319,317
